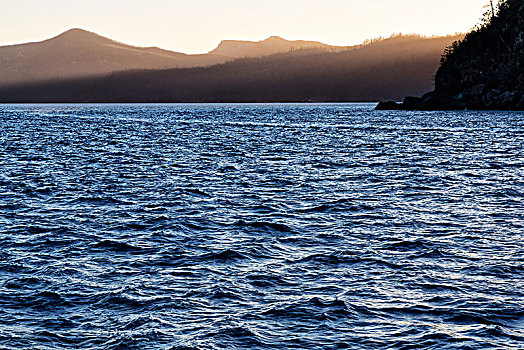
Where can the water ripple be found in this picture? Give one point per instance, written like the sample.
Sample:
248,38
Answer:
319,226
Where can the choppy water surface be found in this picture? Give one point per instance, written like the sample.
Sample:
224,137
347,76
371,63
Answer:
260,226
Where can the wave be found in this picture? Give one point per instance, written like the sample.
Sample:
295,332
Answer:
117,246
224,255
259,227
265,225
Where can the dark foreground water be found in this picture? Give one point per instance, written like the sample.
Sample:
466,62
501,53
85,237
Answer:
260,226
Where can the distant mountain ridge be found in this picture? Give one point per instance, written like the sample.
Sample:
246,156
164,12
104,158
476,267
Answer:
80,53
269,46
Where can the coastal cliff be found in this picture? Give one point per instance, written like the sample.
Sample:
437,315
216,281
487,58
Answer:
485,70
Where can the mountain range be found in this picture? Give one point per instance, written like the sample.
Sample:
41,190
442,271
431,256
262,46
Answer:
79,53
80,66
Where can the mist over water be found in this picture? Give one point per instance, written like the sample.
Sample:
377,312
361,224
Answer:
260,226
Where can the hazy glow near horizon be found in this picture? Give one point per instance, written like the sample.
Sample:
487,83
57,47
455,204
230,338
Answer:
197,26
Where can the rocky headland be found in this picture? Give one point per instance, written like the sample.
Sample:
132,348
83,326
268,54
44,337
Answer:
484,71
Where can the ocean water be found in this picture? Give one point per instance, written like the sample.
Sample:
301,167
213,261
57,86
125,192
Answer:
317,226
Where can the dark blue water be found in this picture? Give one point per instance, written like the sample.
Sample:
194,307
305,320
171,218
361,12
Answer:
260,227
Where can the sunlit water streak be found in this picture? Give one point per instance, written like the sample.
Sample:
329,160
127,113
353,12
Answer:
260,226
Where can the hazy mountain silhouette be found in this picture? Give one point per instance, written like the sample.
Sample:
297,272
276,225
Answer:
379,70
270,46
79,53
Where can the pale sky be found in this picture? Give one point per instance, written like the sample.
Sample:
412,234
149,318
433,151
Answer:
197,26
